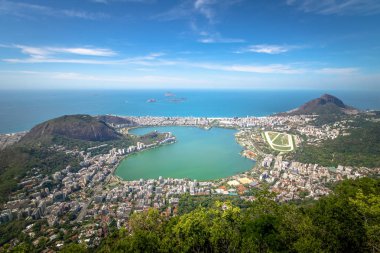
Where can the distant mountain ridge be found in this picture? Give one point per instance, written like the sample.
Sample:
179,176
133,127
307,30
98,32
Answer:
326,104
80,127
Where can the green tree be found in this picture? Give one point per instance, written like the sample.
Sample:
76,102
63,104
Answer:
225,229
192,231
74,248
368,207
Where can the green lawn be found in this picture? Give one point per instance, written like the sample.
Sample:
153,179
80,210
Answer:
279,141
272,135
282,140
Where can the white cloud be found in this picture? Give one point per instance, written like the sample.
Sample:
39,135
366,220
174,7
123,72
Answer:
45,55
260,69
100,1
204,7
41,52
184,10
267,49
127,1
84,51
338,71
192,10
50,55
155,60
211,9
35,51
196,11
209,38
56,60
26,10
338,7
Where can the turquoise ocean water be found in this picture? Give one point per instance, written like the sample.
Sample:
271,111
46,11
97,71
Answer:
20,110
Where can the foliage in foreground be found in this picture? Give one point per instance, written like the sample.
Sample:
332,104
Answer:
346,221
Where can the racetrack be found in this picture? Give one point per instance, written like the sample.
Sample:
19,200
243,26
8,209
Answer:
279,141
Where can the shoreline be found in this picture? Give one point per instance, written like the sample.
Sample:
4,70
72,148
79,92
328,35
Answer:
148,116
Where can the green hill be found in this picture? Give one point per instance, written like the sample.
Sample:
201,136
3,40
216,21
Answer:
79,127
33,151
360,148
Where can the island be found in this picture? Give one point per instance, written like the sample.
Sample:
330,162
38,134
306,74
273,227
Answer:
151,100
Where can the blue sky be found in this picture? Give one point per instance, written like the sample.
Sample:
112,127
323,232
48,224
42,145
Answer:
223,44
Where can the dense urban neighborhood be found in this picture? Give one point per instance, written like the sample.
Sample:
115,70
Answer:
79,204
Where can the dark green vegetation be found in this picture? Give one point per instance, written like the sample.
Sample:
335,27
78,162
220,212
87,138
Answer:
80,127
12,230
189,203
345,221
360,148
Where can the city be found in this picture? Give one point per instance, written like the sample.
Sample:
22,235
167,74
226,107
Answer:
94,197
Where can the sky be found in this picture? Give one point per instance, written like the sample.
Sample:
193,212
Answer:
190,44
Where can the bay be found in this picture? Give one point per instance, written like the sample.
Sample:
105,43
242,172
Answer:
20,110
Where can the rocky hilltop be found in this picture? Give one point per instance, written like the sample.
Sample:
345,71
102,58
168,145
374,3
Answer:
326,104
116,120
80,127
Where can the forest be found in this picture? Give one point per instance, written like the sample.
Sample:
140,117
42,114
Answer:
360,148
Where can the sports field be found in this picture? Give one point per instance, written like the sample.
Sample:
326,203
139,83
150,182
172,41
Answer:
279,141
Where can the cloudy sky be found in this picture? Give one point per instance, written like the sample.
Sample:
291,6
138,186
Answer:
224,44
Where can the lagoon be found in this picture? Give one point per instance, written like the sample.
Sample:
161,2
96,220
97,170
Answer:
198,154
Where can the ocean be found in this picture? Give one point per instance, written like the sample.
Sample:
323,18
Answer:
22,109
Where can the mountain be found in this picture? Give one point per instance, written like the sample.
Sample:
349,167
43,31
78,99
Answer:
326,104
115,120
80,127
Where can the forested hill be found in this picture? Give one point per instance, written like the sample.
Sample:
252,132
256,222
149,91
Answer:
360,148
345,221
80,127
34,149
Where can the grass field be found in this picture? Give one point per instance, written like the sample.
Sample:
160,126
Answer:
282,142
272,135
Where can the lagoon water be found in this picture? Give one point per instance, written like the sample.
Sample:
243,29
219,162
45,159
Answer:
198,154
